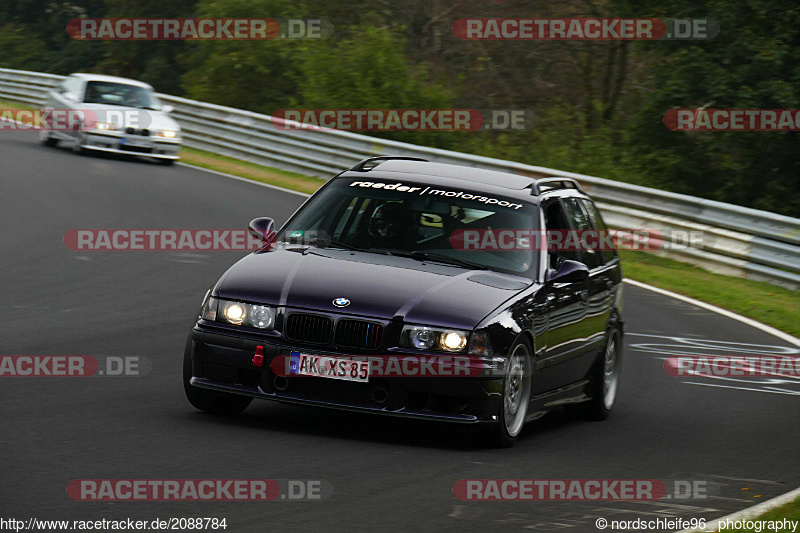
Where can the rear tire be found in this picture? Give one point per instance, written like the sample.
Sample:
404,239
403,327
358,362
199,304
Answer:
605,379
516,397
166,162
214,402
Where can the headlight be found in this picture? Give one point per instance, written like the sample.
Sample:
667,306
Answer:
445,340
167,134
238,313
419,337
234,312
107,126
261,316
452,341
427,338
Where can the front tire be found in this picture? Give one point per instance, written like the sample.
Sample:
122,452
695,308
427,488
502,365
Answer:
516,394
47,140
78,146
166,162
214,402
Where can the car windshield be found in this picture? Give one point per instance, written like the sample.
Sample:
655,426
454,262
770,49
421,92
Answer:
437,224
111,93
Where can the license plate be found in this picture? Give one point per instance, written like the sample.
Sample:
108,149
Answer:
134,142
324,366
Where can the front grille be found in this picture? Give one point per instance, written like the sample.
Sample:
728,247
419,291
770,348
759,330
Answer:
137,149
133,131
314,329
358,334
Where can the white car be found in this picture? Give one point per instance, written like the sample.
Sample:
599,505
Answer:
111,114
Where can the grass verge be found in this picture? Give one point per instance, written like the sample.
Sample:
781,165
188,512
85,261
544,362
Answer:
789,511
7,104
237,167
765,302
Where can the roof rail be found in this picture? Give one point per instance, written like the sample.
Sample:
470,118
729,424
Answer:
552,183
362,165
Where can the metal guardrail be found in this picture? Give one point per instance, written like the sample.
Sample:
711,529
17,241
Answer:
736,240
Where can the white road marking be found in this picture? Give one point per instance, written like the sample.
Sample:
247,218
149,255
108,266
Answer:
724,312
777,391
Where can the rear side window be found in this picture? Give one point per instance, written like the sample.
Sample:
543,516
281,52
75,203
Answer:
580,219
597,221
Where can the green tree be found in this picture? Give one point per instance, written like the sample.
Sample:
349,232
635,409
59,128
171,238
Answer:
21,48
371,71
752,64
160,63
34,35
255,75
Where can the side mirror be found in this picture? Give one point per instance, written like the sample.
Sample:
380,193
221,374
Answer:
263,228
569,272
167,108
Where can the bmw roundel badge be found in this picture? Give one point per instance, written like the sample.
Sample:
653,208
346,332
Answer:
341,302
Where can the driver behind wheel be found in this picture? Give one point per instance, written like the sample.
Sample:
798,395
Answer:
389,226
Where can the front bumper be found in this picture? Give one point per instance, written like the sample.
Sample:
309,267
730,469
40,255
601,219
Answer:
144,146
223,362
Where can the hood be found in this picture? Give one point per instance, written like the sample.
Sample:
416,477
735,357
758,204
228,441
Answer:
133,117
377,286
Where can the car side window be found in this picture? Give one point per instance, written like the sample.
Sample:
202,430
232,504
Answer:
605,254
580,220
557,228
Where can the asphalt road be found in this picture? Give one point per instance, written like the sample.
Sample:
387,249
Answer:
389,474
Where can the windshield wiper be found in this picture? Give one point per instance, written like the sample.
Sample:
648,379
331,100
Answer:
328,243
421,255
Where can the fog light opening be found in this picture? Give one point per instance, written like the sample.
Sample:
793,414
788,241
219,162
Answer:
280,383
380,395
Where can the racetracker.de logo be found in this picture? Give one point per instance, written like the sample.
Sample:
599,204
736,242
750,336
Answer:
203,29
198,489
165,240
74,366
584,29
733,119
579,489
108,120
733,366
50,120
405,119
495,240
